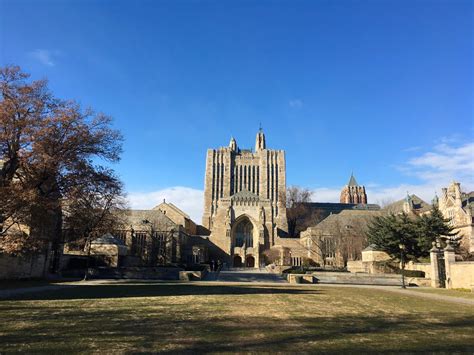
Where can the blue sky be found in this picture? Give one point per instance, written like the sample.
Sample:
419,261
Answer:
383,88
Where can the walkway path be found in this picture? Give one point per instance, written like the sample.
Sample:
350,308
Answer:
409,292
237,277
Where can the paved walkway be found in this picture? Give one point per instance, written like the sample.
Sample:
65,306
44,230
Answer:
237,277
409,292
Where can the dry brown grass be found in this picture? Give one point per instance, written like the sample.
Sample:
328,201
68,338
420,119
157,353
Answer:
198,317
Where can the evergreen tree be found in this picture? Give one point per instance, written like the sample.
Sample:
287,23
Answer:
433,226
396,234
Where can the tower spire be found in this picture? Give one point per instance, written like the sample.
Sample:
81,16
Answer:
260,140
233,144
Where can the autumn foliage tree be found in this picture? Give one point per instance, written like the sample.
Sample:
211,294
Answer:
49,153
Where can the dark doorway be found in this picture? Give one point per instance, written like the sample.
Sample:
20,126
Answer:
237,261
250,261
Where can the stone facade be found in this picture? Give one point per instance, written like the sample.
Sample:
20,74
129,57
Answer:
339,238
177,216
458,207
244,200
353,192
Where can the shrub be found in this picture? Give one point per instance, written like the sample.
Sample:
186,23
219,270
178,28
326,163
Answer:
307,262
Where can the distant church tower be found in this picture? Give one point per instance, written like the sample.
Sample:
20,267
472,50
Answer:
353,193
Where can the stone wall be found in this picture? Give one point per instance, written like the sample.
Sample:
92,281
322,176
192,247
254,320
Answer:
461,275
27,267
356,266
425,267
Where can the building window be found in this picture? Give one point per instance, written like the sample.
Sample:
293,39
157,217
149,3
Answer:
244,234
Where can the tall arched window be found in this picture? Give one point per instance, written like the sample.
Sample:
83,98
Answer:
244,234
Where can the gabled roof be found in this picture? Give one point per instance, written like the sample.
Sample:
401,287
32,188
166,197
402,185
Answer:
142,219
418,204
176,209
347,219
372,247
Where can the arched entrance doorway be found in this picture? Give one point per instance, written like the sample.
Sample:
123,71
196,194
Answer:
237,262
250,261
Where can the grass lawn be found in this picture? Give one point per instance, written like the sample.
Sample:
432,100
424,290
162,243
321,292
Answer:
442,291
200,317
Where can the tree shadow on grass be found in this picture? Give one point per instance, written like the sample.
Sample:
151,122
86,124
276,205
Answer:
171,332
136,289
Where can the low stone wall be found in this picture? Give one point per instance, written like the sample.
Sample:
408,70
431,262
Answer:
356,266
418,281
358,279
425,267
151,273
462,275
300,279
277,269
192,275
22,267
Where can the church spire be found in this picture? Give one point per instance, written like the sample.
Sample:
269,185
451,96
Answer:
260,140
233,144
352,181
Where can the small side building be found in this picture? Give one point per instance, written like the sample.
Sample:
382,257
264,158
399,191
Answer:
339,238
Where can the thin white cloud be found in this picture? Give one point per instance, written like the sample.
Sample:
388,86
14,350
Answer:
445,162
435,169
326,194
296,103
45,56
187,199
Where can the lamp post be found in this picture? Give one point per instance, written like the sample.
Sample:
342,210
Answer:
402,260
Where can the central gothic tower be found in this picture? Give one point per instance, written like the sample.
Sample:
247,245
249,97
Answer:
244,200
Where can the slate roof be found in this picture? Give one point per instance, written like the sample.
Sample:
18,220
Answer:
372,247
352,181
348,219
327,208
418,205
136,219
179,211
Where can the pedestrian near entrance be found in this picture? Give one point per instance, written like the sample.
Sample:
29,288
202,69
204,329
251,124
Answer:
213,265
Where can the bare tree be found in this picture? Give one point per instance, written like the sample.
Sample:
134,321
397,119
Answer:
297,210
319,246
162,244
349,240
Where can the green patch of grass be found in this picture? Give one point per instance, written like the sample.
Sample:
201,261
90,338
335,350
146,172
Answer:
200,317
463,293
